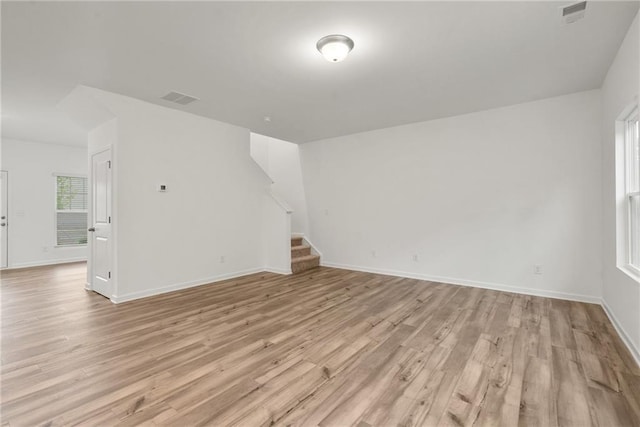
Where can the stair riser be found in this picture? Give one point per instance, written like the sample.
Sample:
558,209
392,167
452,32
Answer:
295,253
304,266
296,241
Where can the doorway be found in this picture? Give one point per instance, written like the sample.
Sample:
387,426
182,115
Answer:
100,223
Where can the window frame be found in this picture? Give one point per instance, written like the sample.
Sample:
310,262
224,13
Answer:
627,171
56,210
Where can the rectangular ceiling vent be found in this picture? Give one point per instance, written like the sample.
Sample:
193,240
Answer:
573,12
179,98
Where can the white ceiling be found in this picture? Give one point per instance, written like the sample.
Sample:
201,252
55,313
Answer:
412,61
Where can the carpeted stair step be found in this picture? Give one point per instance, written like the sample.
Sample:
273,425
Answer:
304,263
299,251
296,241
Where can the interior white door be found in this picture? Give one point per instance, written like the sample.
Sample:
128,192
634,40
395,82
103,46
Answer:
100,228
4,221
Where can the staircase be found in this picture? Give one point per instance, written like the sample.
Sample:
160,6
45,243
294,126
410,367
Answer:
301,257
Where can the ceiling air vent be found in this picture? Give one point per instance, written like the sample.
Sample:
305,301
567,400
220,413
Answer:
179,98
573,12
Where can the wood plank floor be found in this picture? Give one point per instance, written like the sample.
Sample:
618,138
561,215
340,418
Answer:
327,347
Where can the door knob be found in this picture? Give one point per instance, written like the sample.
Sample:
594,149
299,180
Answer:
92,229
3,224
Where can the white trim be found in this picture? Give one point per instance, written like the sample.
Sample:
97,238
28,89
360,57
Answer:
633,104
47,262
472,283
72,175
184,285
635,352
109,148
623,154
77,245
314,249
278,270
4,210
280,202
631,271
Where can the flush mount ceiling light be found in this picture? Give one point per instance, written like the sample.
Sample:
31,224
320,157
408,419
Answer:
335,47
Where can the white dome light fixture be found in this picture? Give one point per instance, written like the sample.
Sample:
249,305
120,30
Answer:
335,47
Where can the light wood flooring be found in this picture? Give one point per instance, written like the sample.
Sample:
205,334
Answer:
326,347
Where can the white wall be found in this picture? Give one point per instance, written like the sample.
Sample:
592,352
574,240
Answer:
31,194
212,207
621,293
281,161
259,150
479,198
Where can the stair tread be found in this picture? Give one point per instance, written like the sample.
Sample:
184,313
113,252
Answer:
304,258
293,248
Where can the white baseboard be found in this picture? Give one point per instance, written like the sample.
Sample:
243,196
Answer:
635,352
47,262
277,270
471,283
117,299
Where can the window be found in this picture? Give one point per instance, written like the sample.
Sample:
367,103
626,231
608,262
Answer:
632,190
71,210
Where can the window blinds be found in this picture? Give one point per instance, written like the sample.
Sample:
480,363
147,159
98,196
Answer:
71,210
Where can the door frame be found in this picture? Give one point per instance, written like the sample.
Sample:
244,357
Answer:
112,243
4,256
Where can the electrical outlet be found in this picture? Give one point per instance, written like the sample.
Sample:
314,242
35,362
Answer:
537,269
45,249
373,254
222,259
415,257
